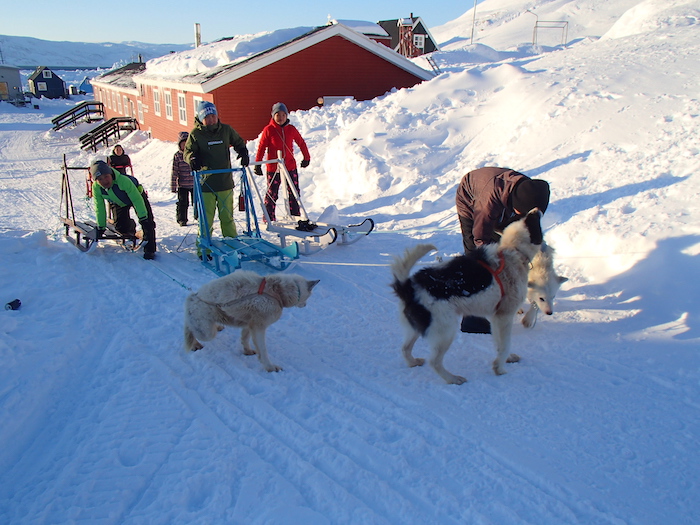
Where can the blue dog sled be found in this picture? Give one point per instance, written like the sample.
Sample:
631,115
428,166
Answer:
225,255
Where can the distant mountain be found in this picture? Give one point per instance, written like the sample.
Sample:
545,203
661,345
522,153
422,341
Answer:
27,52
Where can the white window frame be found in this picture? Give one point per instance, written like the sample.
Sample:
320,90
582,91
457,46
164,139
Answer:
139,108
126,106
46,73
195,101
419,41
182,108
156,101
167,95
41,86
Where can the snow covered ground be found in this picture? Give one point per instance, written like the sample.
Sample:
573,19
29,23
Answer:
107,420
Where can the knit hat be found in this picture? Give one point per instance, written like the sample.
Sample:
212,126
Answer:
529,194
99,167
277,107
182,136
204,108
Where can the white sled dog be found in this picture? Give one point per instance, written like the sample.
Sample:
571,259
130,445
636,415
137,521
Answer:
542,285
246,300
490,282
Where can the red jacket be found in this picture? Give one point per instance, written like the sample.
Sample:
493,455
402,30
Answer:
276,138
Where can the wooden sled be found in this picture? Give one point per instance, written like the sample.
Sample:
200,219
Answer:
83,233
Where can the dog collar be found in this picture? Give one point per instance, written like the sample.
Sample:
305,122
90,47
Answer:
261,289
496,273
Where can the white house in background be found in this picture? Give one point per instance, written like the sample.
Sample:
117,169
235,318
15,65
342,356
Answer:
10,83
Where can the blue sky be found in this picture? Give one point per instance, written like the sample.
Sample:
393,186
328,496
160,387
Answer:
172,22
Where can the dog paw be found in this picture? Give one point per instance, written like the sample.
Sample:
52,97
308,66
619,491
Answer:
456,380
418,361
273,368
513,358
219,327
521,311
498,370
248,351
197,346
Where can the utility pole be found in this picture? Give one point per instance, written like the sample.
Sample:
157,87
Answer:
471,41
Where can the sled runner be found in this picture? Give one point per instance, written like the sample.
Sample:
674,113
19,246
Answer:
314,236
225,255
84,233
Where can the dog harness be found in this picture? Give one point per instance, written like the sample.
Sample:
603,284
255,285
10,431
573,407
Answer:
261,291
496,273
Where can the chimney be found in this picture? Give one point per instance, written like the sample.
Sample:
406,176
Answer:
197,35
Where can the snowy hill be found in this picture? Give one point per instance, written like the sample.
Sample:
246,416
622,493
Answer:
29,52
107,420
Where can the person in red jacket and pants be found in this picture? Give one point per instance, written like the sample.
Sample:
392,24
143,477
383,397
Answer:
280,135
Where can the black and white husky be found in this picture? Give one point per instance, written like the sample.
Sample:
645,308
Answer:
490,282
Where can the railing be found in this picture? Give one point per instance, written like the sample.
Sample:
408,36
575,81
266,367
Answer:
107,130
90,111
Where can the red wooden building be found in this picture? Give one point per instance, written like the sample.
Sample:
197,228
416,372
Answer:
332,60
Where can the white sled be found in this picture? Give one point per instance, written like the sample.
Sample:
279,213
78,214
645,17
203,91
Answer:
314,236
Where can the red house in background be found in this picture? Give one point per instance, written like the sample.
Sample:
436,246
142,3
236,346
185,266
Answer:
329,61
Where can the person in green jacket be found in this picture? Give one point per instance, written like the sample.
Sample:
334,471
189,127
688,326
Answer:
207,148
122,192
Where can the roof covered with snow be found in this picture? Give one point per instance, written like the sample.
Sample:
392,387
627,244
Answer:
221,62
362,26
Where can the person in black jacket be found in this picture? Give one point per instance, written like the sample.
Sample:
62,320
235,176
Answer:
119,160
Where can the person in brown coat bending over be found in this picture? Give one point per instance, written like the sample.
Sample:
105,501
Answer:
488,199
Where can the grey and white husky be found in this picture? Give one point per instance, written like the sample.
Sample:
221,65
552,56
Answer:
246,300
490,282
542,285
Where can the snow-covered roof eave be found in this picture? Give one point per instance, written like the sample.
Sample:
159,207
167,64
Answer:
114,86
266,58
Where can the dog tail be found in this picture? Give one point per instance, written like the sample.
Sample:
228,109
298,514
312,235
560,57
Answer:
413,311
401,267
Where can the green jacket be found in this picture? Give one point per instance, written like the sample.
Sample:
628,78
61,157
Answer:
211,149
124,192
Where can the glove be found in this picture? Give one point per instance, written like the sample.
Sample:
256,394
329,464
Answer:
245,160
99,233
194,164
305,163
258,170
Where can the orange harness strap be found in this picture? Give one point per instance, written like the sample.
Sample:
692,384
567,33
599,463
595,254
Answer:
496,272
